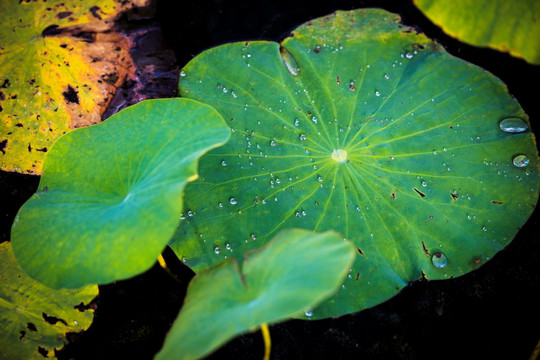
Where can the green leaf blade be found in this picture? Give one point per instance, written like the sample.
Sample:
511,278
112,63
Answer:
381,136
107,204
294,272
501,25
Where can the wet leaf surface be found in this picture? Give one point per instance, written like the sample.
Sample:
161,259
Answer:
358,124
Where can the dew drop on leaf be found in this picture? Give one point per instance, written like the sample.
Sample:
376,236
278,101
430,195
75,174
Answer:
513,125
439,260
520,160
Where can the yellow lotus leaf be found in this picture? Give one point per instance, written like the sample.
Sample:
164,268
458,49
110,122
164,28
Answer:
60,64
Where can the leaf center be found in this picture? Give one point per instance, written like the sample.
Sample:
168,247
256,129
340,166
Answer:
339,155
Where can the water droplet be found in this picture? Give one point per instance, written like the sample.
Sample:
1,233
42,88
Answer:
232,201
303,137
409,55
296,122
520,160
216,250
424,184
272,143
439,260
308,313
289,61
314,119
190,213
513,125
377,93
223,162
228,247
182,73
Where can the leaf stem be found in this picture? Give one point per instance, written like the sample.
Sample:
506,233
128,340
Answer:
536,352
163,264
267,342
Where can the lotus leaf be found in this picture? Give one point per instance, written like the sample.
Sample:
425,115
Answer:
34,319
292,273
60,64
510,26
110,194
356,123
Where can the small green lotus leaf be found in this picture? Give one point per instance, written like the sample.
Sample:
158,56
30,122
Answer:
110,195
34,319
292,273
358,124
509,26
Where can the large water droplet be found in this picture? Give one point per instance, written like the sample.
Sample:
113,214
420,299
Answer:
217,250
513,125
232,201
302,137
289,61
439,260
520,160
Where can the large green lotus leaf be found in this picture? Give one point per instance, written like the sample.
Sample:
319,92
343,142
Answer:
355,123
292,273
110,194
510,26
53,79
34,319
